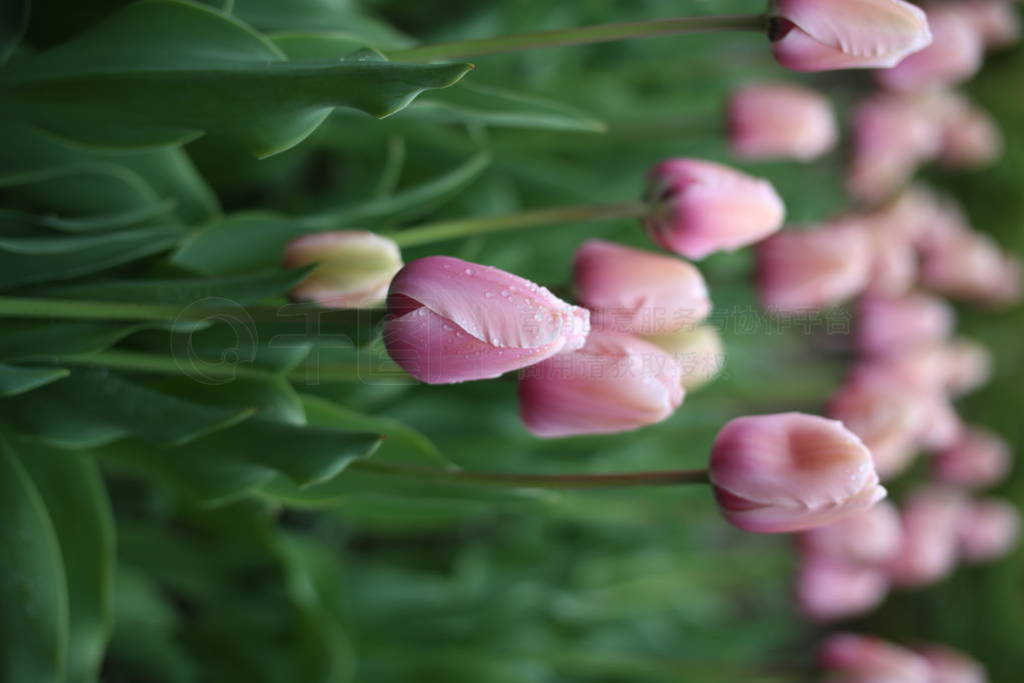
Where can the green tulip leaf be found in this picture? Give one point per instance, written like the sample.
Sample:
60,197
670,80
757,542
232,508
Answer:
102,404
164,72
249,241
72,490
15,379
34,619
31,260
498,107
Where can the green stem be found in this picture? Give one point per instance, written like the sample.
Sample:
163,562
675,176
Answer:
601,33
134,361
543,481
75,309
465,227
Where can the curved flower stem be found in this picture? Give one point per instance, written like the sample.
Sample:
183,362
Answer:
542,481
465,227
601,33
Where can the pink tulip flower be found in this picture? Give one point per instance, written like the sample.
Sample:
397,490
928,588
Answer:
866,659
637,291
892,136
699,352
781,121
967,265
819,35
996,21
947,665
928,550
829,589
799,271
790,472
885,414
968,366
868,538
615,383
354,268
703,207
988,530
453,321
954,55
897,325
970,136
979,458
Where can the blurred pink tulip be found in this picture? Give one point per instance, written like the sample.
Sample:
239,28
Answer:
781,120
978,458
453,321
637,291
829,589
867,659
928,550
698,350
615,383
354,268
970,136
988,530
790,472
887,325
969,366
800,271
887,416
892,136
701,207
966,264
819,35
866,538
997,21
954,55
941,425
947,665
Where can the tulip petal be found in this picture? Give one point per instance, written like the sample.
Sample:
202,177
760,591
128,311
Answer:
496,307
435,351
875,33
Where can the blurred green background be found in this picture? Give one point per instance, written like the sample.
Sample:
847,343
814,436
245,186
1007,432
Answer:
359,579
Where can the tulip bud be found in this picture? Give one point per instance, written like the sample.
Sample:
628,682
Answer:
453,321
928,550
699,352
615,383
996,21
829,589
947,665
781,120
810,270
988,530
354,271
954,55
820,35
790,472
866,659
971,137
703,207
885,414
966,265
978,458
892,136
636,291
968,366
896,325
866,538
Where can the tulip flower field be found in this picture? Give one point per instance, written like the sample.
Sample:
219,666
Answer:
380,341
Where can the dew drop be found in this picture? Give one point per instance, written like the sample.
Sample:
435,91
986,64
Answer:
469,271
